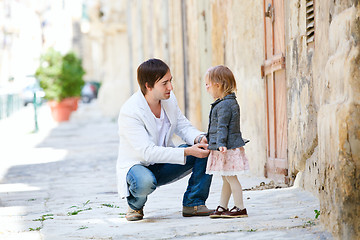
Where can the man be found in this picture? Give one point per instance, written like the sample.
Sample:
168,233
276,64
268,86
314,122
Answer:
147,157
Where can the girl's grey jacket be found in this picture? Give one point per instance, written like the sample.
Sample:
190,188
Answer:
224,124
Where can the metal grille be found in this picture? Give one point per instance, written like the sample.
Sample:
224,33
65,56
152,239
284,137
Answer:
310,19
9,103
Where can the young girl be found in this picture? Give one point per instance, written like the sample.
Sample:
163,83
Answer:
227,155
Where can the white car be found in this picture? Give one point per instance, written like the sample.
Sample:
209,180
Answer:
32,87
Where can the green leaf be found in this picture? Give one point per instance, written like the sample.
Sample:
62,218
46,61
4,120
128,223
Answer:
317,213
35,229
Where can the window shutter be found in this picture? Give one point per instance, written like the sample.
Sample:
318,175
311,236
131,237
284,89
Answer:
310,30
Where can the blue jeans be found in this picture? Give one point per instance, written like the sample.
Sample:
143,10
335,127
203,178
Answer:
143,180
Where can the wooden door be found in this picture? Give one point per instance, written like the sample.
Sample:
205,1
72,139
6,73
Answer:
273,72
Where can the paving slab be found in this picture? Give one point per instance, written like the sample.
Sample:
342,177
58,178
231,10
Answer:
60,183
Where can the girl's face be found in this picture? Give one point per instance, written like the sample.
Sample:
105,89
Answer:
212,88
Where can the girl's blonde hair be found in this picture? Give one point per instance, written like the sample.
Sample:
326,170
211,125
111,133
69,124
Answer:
224,77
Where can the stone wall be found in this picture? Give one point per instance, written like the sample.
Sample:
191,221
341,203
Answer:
340,110
323,104
106,54
302,104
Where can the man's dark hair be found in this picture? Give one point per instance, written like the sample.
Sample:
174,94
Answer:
150,72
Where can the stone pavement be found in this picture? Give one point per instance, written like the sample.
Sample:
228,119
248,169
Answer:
60,183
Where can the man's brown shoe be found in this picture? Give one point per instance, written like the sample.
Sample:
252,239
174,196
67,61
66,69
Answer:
218,212
235,213
200,210
134,215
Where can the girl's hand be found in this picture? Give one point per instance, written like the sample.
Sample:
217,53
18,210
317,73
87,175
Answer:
204,140
200,139
223,149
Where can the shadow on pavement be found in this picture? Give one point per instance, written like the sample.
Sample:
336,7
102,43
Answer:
52,184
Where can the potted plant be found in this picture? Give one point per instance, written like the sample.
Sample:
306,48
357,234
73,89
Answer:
61,77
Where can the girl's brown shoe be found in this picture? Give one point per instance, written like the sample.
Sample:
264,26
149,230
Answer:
235,212
218,212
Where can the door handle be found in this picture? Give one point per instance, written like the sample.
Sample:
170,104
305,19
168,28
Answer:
270,12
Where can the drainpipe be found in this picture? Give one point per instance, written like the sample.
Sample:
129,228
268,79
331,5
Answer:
185,57
130,37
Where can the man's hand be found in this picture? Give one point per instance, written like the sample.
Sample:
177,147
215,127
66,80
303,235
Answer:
198,150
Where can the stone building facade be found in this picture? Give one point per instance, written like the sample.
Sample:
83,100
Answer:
324,111
297,69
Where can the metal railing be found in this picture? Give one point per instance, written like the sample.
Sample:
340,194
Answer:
9,103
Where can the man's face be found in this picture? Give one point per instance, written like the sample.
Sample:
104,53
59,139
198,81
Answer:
162,88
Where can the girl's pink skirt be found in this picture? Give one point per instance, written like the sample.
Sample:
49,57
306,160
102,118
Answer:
233,162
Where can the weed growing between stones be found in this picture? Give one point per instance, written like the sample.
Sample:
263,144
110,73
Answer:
308,224
317,213
35,229
79,209
109,205
44,217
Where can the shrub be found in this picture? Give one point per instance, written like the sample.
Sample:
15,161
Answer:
60,76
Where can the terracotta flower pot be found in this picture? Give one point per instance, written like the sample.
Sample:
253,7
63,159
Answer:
61,111
75,102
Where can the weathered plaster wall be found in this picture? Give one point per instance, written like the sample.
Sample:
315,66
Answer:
104,56
340,105
238,42
302,105
245,55
155,31
324,110
176,52
194,78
